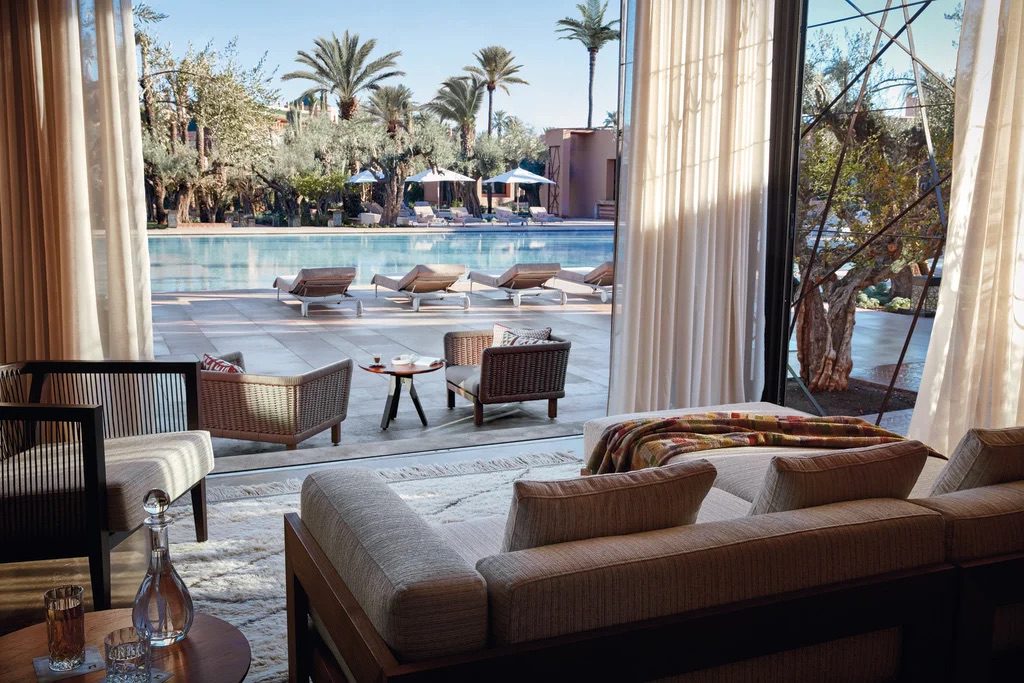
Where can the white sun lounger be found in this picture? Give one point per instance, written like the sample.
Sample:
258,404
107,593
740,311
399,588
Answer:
600,279
425,283
462,216
522,279
506,216
541,215
319,286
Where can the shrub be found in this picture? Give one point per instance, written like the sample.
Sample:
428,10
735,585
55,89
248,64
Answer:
882,292
898,304
864,301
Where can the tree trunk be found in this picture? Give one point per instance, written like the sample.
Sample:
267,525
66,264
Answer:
824,341
490,126
392,199
347,109
185,194
590,90
159,197
148,108
903,283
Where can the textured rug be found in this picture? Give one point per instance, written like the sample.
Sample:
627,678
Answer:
238,574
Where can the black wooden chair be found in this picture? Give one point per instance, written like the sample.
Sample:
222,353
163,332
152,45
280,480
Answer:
80,444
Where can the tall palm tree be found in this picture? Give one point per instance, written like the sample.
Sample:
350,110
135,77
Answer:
344,69
500,120
611,119
458,101
392,106
496,68
591,30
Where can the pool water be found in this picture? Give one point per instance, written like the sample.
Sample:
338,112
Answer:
196,263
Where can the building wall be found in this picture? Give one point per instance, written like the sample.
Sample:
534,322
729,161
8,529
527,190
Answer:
582,162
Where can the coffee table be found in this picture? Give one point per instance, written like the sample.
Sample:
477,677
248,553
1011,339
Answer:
213,651
400,375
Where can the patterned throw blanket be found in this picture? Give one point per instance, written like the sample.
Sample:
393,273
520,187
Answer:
652,441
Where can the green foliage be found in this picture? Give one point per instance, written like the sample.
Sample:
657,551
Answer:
590,28
898,304
864,301
172,166
881,292
317,186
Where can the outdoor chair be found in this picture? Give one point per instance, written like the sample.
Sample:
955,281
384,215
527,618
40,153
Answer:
425,283
508,217
487,374
541,215
82,443
462,216
522,279
286,410
319,286
600,279
424,216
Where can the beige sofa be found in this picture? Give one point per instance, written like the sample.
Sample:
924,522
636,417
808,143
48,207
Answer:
876,589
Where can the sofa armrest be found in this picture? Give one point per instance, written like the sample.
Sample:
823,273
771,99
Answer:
983,522
421,596
517,373
467,347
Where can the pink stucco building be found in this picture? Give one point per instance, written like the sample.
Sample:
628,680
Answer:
583,164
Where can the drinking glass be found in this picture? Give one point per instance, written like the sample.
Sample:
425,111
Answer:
65,627
127,656
376,359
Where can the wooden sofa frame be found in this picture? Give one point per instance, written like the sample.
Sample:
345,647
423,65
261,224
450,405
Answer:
984,586
920,602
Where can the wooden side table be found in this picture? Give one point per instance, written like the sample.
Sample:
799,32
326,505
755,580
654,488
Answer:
401,375
213,651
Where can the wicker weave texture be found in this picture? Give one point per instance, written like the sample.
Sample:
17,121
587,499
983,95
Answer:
466,348
524,373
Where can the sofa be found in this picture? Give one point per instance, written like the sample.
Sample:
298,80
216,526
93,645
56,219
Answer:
922,588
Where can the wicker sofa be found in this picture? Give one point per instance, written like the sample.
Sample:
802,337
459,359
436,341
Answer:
287,410
486,374
879,589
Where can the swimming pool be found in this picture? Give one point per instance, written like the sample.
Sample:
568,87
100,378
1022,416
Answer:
193,263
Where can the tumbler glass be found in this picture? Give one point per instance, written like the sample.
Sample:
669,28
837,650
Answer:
65,627
128,656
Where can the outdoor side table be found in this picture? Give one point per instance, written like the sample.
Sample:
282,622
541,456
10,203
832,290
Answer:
400,375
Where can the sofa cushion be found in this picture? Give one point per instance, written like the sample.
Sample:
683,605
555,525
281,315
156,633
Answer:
474,539
549,512
882,471
982,458
466,377
421,596
981,522
721,505
572,587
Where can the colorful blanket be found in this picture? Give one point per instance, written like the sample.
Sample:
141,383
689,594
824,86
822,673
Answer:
650,442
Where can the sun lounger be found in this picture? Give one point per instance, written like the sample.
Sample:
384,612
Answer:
506,216
541,215
424,215
462,216
319,286
600,279
522,279
425,283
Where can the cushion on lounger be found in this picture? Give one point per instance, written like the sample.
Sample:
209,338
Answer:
984,457
882,471
549,512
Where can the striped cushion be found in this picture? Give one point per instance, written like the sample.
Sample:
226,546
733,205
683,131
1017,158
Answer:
500,330
882,471
982,458
511,339
214,364
549,512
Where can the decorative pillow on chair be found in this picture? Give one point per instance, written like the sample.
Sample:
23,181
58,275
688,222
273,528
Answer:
984,457
500,330
510,339
884,471
214,364
548,512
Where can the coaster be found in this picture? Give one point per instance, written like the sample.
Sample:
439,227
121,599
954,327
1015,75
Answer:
93,662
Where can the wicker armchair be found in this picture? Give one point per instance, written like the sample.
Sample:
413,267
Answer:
487,374
80,445
285,410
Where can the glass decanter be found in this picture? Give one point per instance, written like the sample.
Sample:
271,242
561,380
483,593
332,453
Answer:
163,607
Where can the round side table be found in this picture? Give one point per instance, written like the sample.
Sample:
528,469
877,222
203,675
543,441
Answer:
213,651
401,375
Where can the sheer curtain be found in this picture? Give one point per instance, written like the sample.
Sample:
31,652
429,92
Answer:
974,371
688,326
74,264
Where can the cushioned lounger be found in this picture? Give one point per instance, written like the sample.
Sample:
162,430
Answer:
319,286
522,279
425,282
600,279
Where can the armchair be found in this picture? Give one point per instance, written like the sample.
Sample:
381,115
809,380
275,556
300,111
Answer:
487,374
80,445
271,409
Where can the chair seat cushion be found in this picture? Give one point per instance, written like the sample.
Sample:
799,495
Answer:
173,462
466,377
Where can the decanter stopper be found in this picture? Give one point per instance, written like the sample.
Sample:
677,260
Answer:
163,607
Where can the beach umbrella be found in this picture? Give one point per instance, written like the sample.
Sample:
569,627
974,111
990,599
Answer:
364,177
438,175
520,176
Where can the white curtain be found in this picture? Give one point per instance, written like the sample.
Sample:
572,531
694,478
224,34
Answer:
688,325
974,371
74,264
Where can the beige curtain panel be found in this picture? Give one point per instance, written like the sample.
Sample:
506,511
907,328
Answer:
974,371
688,326
74,264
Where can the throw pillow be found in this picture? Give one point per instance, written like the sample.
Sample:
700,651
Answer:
498,336
984,457
510,339
214,364
884,471
549,512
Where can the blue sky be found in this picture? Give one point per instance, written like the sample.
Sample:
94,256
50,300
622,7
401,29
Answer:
438,37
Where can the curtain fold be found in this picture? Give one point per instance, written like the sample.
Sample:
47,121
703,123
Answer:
974,370
74,262
688,322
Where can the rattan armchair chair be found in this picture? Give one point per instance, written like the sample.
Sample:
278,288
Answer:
487,374
286,410
80,445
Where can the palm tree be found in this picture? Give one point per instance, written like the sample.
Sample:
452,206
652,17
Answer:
459,101
392,105
500,120
343,68
591,30
611,119
496,69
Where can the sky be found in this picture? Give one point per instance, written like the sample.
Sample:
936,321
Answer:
437,39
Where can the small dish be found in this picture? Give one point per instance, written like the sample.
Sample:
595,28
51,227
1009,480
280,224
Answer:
403,360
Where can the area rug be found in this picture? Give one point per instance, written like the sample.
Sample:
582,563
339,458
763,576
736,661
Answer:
238,574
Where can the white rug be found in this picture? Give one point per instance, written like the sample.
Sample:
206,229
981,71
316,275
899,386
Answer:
238,574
